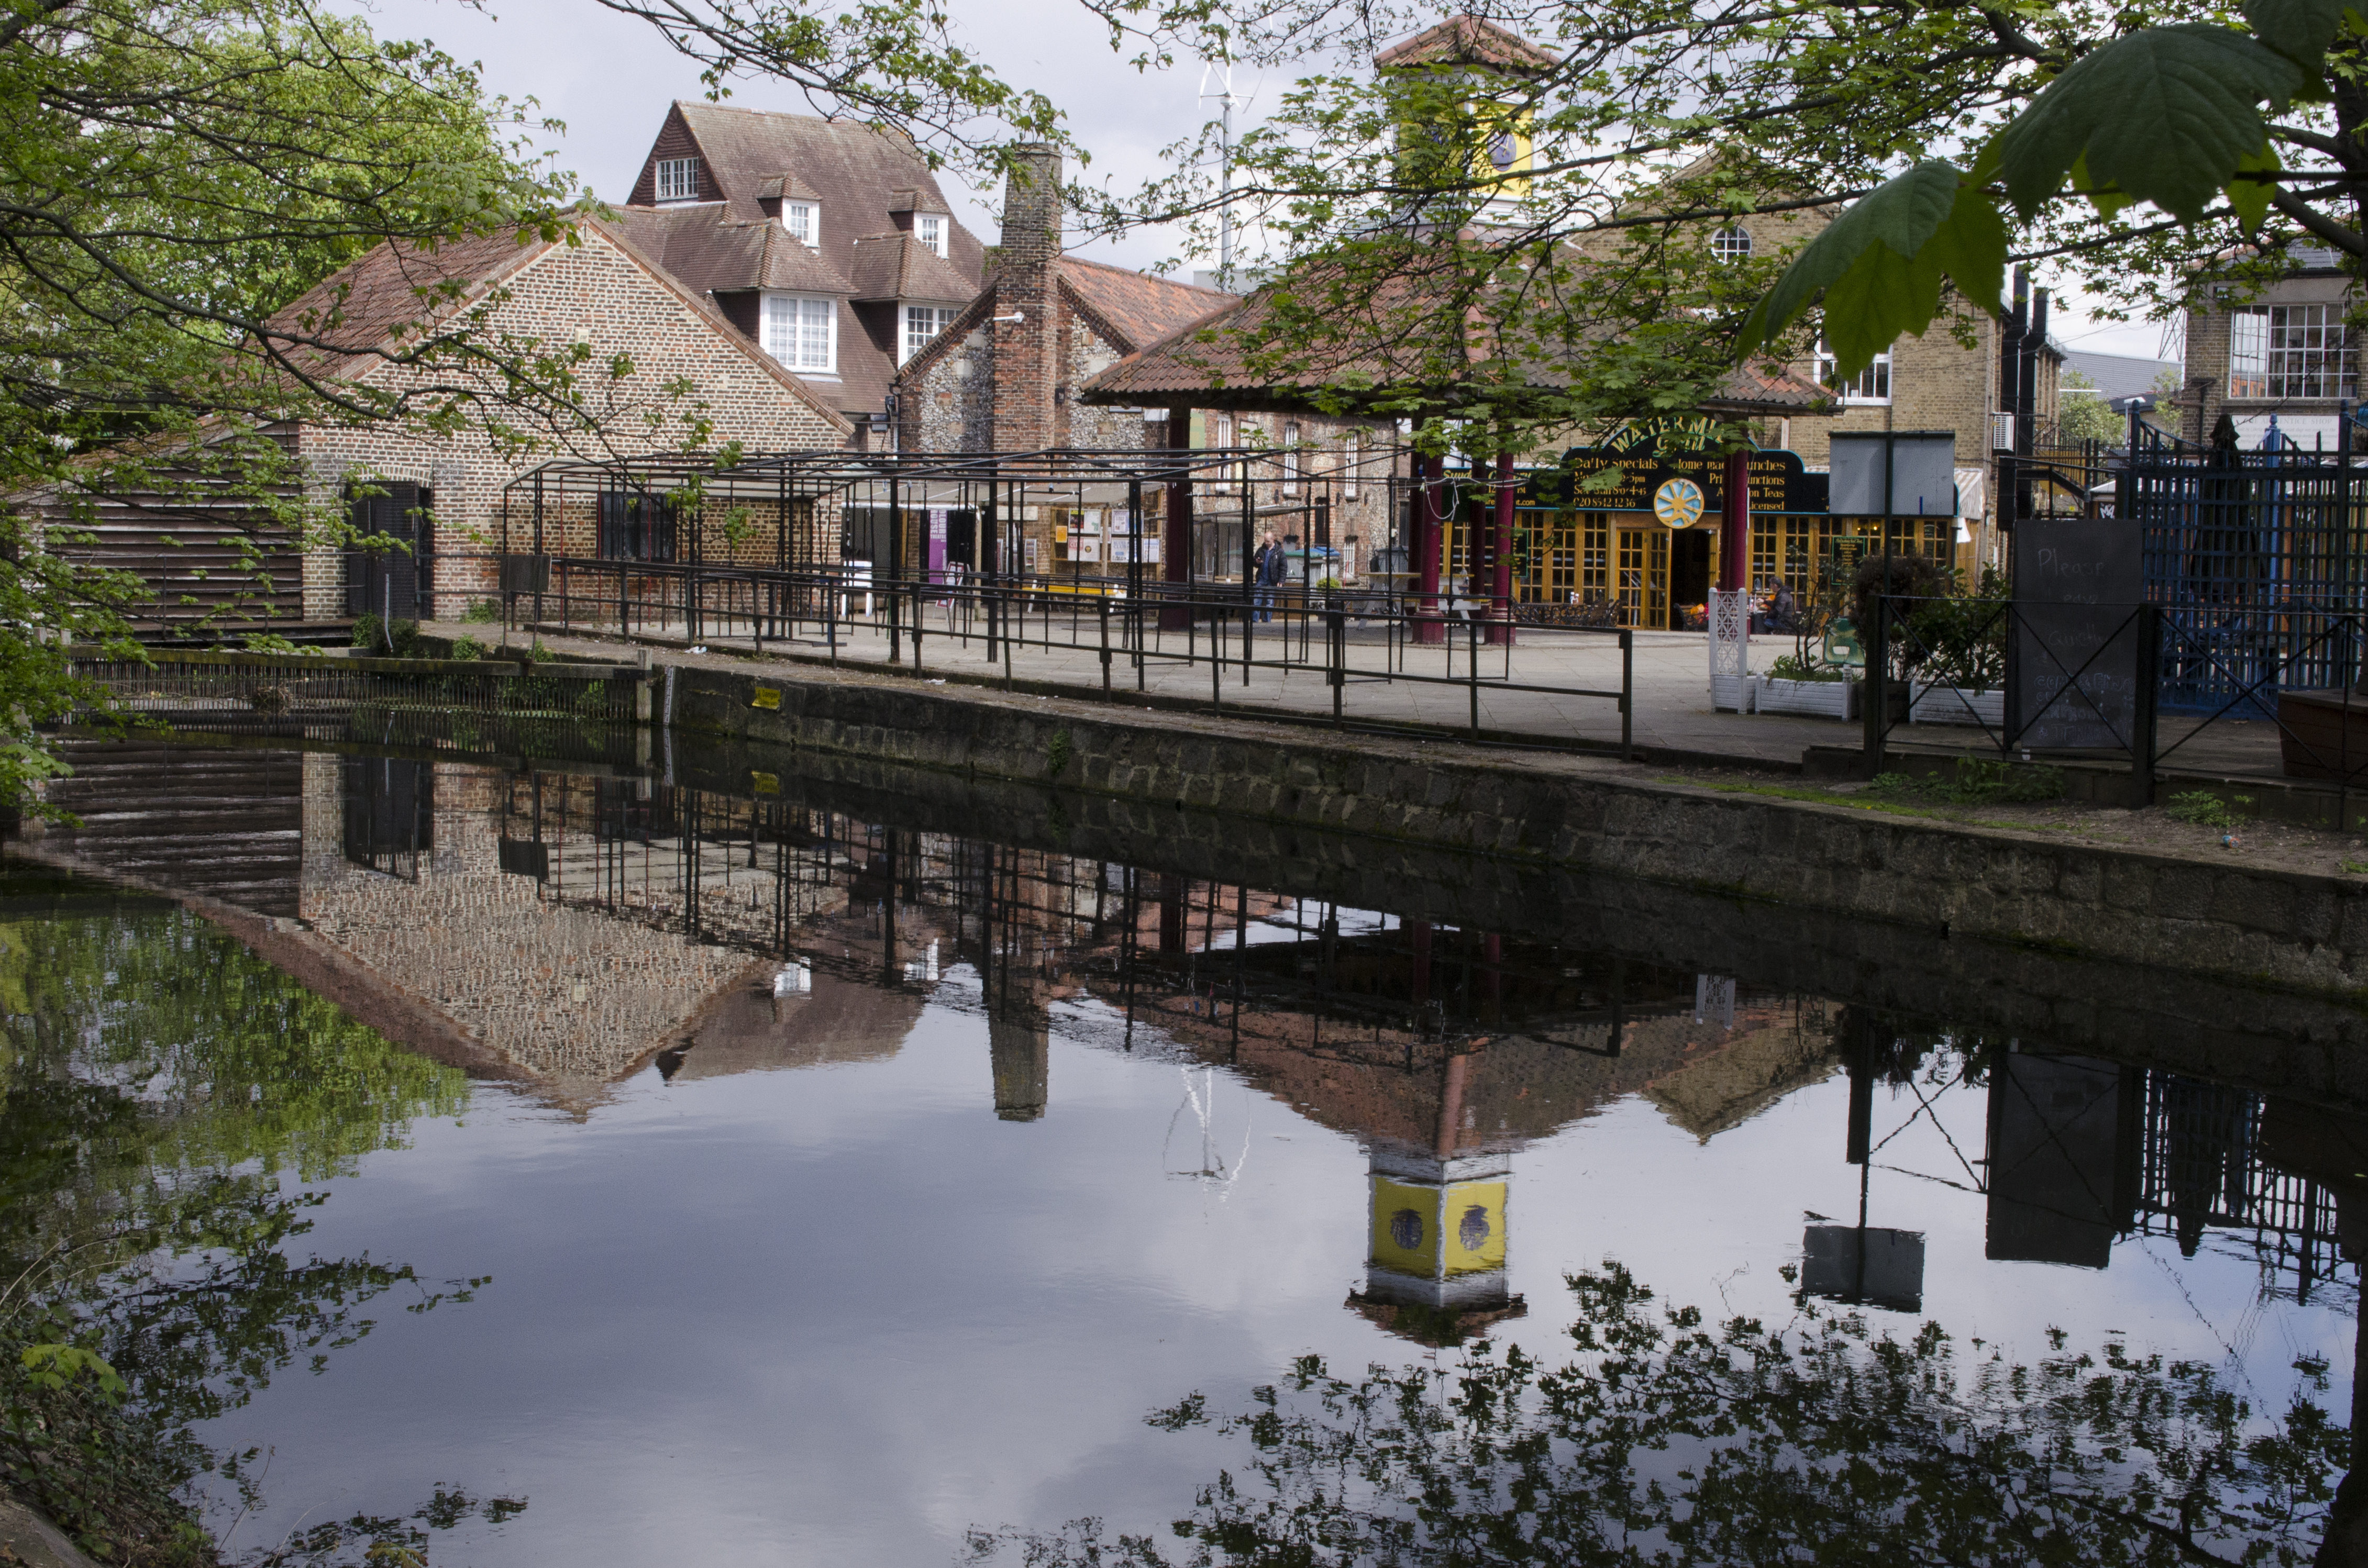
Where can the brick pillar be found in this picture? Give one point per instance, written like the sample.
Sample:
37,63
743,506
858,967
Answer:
1025,369
1429,534
1176,557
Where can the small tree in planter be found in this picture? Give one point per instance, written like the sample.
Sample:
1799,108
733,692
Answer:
1803,681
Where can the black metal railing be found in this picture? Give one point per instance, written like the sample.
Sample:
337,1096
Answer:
1230,631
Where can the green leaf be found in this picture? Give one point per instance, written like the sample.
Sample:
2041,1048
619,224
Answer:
2104,199
1898,216
2165,115
2252,197
1881,264
2299,29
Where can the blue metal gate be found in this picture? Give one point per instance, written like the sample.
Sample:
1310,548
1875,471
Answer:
2258,559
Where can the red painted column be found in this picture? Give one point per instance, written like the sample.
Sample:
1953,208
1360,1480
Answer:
1501,588
1176,555
1429,534
1735,527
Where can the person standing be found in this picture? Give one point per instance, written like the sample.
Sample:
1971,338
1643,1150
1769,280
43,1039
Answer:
1270,573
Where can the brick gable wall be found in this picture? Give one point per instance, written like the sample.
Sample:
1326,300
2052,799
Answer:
596,288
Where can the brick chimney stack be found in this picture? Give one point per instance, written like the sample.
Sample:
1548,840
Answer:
1026,371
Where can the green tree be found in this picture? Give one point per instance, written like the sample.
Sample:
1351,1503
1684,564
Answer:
158,1086
1664,1441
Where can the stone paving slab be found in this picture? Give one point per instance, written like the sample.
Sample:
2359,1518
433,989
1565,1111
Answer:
1390,682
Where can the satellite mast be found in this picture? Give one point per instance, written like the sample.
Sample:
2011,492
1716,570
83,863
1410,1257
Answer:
1224,168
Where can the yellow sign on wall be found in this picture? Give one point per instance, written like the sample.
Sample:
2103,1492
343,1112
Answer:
767,697
1439,1233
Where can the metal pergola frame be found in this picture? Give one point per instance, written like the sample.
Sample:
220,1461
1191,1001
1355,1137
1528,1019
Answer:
999,488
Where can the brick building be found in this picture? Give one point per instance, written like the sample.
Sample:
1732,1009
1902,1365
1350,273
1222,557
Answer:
1004,375
655,369
443,495
2280,351
826,242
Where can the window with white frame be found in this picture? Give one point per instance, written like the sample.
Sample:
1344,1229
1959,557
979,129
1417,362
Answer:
1352,453
1291,460
930,230
1730,245
802,331
923,323
797,217
2290,351
678,180
1221,430
1870,385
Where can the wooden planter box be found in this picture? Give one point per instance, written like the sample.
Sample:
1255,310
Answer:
1955,705
1818,699
2321,736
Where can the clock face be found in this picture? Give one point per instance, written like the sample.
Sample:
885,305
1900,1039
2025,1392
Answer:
1678,503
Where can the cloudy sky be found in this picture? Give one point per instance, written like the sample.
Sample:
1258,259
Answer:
610,79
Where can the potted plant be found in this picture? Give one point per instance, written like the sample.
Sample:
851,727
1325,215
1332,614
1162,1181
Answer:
1796,683
1957,655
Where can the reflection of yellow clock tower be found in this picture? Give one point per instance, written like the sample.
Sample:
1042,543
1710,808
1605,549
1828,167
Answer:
1435,1231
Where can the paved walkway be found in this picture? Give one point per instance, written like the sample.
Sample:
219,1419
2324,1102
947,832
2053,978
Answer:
1534,689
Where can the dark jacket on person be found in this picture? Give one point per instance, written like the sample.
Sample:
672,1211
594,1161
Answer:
1270,566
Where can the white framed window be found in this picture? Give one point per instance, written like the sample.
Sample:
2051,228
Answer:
799,219
1352,453
678,180
2290,351
1221,430
1870,385
1730,243
1291,460
923,323
802,331
930,230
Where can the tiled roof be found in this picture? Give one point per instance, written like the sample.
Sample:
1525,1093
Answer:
1467,40
853,169
1221,354
1751,391
858,179
710,252
1139,308
898,266
1223,359
389,296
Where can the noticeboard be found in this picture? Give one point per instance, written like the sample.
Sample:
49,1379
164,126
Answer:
1628,478
2074,661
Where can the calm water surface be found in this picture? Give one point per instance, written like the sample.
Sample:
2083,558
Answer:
841,1184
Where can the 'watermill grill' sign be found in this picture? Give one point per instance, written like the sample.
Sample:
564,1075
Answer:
1682,488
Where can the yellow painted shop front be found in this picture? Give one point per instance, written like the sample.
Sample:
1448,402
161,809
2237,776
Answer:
1649,558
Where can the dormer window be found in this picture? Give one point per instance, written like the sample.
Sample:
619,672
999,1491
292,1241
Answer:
802,332
678,180
930,230
797,217
923,323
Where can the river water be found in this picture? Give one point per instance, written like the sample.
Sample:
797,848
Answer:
823,1170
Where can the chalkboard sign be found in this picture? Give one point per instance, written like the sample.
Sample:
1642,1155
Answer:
2073,661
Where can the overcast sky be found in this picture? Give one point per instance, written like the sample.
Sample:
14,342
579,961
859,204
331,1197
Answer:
610,78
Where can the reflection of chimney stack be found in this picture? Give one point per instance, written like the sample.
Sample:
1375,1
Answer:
1021,1052
1024,372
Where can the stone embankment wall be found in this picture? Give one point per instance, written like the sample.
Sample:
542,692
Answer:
2233,922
